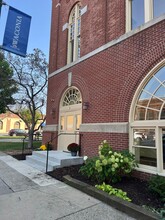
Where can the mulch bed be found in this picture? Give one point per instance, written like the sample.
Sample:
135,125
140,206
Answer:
137,190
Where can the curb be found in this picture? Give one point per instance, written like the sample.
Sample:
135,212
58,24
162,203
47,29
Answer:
131,209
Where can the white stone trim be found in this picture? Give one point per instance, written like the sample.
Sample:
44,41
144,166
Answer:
65,26
110,44
51,128
58,5
105,127
83,10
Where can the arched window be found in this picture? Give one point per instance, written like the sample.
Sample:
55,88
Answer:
151,102
148,122
72,97
74,34
1,125
17,125
141,11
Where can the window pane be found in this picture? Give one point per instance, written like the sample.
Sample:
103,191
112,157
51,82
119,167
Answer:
137,13
144,137
161,74
152,115
155,103
163,143
152,85
160,92
78,121
159,7
144,98
139,113
146,156
69,125
163,113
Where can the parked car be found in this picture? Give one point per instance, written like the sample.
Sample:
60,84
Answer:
17,132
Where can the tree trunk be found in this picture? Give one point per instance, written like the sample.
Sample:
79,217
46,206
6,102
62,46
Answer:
30,143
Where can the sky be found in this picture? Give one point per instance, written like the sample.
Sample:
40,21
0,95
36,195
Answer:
40,11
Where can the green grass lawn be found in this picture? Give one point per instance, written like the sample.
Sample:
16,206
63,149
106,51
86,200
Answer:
11,137
5,146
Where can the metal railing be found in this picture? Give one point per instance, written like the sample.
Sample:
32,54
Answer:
53,138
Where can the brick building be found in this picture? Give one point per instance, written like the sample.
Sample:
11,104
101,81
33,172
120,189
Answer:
107,77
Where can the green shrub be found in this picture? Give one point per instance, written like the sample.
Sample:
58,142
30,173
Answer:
157,185
110,166
113,191
89,168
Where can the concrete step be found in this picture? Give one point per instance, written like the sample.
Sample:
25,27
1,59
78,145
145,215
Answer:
38,167
41,161
56,159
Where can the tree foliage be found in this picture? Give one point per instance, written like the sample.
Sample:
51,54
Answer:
7,84
30,74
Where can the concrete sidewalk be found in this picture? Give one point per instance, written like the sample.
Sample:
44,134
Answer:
26,193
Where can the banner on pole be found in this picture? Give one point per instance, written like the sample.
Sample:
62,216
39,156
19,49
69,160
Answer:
16,32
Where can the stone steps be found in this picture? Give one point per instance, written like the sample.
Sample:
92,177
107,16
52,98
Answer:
56,159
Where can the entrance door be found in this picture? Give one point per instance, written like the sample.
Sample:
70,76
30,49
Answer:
69,129
69,118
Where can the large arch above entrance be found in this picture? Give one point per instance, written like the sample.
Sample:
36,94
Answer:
70,116
147,122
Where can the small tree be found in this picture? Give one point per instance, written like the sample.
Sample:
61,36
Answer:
30,74
7,84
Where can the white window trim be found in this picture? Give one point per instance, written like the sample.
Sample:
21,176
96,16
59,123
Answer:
156,124
148,12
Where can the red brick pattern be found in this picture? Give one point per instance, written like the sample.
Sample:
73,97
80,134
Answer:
109,79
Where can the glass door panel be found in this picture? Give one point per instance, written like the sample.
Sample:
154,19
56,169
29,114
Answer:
78,121
70,123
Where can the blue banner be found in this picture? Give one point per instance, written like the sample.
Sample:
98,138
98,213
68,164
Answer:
16,32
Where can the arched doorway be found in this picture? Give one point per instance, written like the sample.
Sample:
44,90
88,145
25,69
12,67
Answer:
147,122
70,114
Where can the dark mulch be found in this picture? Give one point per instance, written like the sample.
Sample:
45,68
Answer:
137,190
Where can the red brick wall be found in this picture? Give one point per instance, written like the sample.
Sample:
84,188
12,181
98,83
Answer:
103,22
108,81
91,141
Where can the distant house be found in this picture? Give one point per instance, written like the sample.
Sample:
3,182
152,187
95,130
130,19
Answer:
9,121
107,78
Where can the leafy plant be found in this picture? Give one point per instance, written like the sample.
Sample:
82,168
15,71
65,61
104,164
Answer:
89,168
113,191
110,165
157,185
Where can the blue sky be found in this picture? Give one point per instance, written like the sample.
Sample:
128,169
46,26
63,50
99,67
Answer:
40,11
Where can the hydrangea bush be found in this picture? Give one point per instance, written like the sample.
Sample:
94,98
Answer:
110,165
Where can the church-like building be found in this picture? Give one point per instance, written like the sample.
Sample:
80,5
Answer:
107,78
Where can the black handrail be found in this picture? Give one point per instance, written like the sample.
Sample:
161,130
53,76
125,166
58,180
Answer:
48,145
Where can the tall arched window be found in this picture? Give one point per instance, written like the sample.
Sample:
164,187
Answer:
74,33
147,133
1,125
